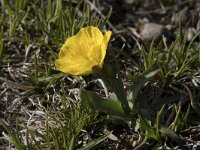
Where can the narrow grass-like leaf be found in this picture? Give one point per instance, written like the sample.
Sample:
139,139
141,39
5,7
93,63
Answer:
194,103
6,4
184,119
13,135
174,124
36,143
49,10
36,69
141,141
15,20
103,22
151,55
139,83
49,78
20,5
145,57
192,41
58,7
170,53
95,142
27,38
56,140
172,135
186,64
71,143
1,46
150,132
158,118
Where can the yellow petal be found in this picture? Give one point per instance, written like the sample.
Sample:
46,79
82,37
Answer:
83,42
78,66
104,44
83,52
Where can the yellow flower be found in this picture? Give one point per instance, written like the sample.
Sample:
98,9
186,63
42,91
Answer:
84,52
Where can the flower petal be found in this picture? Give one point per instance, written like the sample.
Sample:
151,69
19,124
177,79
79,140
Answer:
83,42
83,52
74,66
104,44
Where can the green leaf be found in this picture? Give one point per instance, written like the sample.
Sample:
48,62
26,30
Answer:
13,135
92,100
141,142
140,82
113,80
36,69
20,5
176,120
1,45
150,132
58,7
184,119
187,62
145,57
16,20
194,102
172,135
158,118
71,147
151,58
95,142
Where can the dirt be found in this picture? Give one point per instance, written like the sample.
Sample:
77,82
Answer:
142,19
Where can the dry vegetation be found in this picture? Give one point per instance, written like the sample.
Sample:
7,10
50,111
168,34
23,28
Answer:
39,106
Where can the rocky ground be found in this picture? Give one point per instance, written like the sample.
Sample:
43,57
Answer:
131,21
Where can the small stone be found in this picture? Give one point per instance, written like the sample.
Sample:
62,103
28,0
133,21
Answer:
149,31
191,34
129,1
113,137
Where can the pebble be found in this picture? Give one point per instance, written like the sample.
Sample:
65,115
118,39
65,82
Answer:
149,31
191,33
129,1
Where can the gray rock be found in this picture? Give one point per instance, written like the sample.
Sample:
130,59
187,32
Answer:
149,31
